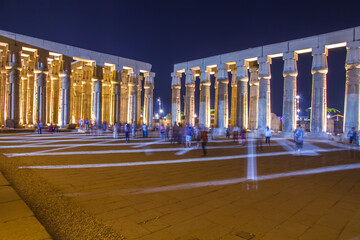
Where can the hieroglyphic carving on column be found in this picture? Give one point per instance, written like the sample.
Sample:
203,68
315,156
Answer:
290,91
23,90
124,95
64,74
76,93
41,75
264,118
148,98
205,84
175,98
138,101
319,99
352,89
97,78
234,91
14,68
254,98
189,98
115,97
3,84
242,94
222,99
31,86
106,94
55,89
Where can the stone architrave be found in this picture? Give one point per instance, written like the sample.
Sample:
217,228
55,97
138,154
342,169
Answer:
290,73
222,100
189,98
234,90
264,118
148,98
64,74
242,76
352,89
175,98
254,99
41,75
97,78
14,61
205,83
319,99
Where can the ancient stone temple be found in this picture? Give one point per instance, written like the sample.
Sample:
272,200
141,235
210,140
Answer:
251,109
48,82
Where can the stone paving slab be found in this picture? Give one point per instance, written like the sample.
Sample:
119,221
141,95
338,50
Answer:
17,221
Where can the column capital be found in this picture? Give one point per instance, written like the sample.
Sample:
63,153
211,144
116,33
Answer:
264,67
290,66
14,60
319,63
242,70
189,78
205,75
97,73
222,74
175,79
254,79
353,55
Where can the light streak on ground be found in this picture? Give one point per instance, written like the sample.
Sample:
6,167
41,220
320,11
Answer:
127,164
251,162
223,182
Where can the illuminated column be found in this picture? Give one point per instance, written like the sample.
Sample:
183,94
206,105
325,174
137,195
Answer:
3,91
176,98
222,100
254,99
65,73
138,101
264,118
86,94
116,95
98,78
148,98
41,72
352,90
318,99
124,95
132,104
234,90
23,92
54,94
106,87
30,116
189,98
242,94
205,83
290,91
13,115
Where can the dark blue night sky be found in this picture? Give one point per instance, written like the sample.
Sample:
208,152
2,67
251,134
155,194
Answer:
167,32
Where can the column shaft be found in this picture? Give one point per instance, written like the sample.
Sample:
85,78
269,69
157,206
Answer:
264,118
254,99
175,99
205,84
189,98
222,100
234,90
242,119
13,114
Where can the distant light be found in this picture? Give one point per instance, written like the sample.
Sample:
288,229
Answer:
298,110
297,97
161,111
195,115
328,116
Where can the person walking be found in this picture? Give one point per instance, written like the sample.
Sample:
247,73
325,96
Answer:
204,140
189,133
39,127
127,133
352,136
162,132
267,135
299,138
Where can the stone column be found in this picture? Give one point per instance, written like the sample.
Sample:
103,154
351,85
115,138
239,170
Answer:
222,100
14,61
23,93
254,99
319,99
138,101
148,98
234,90
116,95
132,105
189,98
97,79
41,75
290,91
124,95
264,119
352,90
64,74
176,98
3,88
242,76
205,83
54,95
30,116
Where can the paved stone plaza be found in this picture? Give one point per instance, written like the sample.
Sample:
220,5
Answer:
96,187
